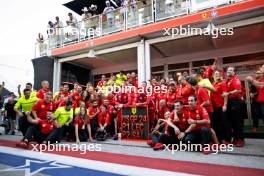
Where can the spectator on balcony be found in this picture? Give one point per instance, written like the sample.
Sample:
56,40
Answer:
108,11
93,10
72,21
123,5
50,30
87,14
51,33
42,46
133,10
73,28
169,7
59,30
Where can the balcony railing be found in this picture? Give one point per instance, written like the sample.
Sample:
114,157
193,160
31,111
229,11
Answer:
122,19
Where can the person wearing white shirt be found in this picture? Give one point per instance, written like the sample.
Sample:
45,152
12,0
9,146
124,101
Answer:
109,13
59,30
72,29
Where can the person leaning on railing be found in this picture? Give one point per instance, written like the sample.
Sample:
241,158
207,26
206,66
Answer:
108,11
87,14
59,29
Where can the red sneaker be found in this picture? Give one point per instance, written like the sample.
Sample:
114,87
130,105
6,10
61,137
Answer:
254,130
240,143
158,146
151,143
23,144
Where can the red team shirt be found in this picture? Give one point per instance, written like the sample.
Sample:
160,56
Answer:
104,117
202,96
171,97
208,73
199,113
41,108
41,93
216,97
79,120
92,110
232,84
46,126
161,112
183,92
182,124
260,97
76,99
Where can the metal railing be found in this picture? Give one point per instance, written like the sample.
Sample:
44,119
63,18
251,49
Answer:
123,18
170,8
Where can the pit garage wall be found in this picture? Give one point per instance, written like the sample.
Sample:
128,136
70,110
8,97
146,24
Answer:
47,68
43,70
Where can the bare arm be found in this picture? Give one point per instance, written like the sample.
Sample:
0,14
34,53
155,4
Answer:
30,119
77,133
89,131
258,84
205,103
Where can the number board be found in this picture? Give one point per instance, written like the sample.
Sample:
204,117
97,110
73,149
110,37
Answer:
135,124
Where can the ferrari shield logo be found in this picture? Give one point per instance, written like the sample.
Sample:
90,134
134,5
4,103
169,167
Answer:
134,110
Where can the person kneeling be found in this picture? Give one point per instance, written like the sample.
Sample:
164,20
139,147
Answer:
82,126
104,124
40,129
201,134
177,127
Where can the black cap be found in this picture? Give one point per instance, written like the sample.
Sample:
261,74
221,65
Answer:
192,81
68,103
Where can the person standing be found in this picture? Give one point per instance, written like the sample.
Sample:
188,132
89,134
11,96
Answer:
10,114
43,90
258,101
25,103
233,91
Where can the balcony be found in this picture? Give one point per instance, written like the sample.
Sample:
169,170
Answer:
123,19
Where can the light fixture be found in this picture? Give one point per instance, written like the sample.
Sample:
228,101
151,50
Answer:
91,54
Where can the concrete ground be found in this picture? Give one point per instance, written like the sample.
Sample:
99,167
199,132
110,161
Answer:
250,156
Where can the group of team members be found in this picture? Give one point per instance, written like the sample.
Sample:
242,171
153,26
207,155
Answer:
203,108
208,112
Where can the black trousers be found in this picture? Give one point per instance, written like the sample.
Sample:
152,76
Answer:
235,118
94,125
55,135
83,135
257,113
170,138
23,124
199,136
219,124
34,131
112,125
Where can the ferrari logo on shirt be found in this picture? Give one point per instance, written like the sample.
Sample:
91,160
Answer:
43,106
204,15
134,110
